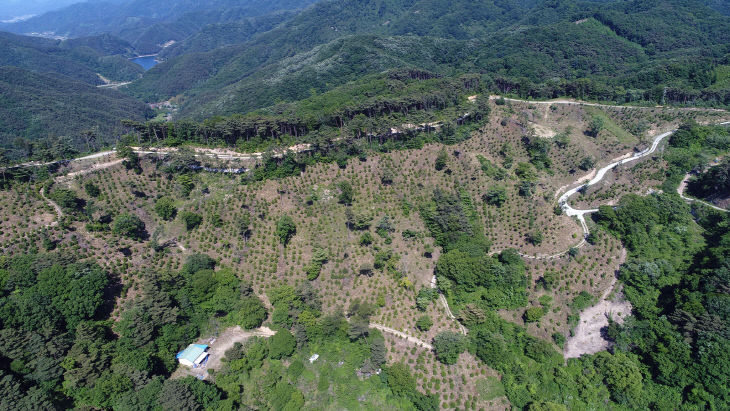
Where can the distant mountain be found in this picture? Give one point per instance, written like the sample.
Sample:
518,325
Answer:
617,44
35,106
223,34
147,24
13,9
80,59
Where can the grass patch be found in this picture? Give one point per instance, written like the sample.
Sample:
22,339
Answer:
610,126
490,388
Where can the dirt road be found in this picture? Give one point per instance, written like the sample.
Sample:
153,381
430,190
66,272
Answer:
218,347
587,337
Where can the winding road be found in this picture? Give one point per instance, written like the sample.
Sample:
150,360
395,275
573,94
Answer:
600,174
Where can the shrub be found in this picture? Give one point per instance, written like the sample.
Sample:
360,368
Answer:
533,314
495,196
424,323
285,229
165,208
559,339
191,220
448,345
92,189
129,225
586,164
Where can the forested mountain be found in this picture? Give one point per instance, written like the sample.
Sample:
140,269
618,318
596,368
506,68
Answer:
79,59
619,51
236,31
147,24
35,106
14,9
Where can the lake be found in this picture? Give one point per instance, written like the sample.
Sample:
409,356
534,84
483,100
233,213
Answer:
147,62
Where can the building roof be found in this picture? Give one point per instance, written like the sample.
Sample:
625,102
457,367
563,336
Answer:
192,353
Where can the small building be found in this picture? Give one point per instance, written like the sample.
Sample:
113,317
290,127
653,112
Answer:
313,358
193,356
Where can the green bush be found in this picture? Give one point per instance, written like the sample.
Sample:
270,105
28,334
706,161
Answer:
424,323
285,229
92,189
165,208
191,220
533,314
448,345
130,226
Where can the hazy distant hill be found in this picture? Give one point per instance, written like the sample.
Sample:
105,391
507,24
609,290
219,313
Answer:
79,59
147,24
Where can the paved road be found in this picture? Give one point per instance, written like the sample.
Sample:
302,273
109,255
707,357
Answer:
600,174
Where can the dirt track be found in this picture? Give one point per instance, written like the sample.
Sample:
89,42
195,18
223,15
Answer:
218,347
587,337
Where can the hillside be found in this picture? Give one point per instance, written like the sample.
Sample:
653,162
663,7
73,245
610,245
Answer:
338,259
146,24
81,59
621,54
47,106
412,205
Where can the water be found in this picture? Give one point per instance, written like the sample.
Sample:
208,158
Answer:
147,62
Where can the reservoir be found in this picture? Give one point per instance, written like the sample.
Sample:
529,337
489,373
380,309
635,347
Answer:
147,62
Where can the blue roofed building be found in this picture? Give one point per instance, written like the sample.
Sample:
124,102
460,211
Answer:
193,356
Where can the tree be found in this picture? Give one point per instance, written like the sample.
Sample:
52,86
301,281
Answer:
533,314
347,193
244,226
424,323
129,225
448,345
596,125
285,229
400,380
176,395
66,199
165,208
196,262
131,159
441,159
495,196
622,375
366,238
281,344
251,314
191,220
535,237
92,189
387,176
587,163
186,183
424,298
